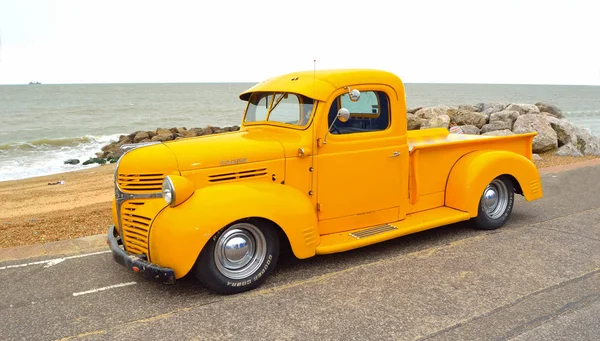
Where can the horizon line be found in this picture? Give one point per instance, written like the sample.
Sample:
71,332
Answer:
256,82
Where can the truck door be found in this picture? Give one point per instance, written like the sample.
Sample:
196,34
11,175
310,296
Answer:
359,166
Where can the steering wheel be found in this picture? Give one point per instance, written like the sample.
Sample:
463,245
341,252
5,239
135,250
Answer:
334,129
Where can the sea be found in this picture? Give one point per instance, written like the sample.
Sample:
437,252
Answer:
42,125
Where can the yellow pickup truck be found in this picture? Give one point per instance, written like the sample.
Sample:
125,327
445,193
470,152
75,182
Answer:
323,163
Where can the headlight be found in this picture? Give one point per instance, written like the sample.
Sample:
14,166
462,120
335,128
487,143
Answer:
177,189
168,191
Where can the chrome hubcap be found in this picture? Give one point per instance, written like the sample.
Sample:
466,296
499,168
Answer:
240,251
495,199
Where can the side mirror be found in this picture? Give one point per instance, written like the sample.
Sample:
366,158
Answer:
354,95
343,114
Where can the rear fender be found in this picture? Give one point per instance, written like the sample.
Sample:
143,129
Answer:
179,233
474,171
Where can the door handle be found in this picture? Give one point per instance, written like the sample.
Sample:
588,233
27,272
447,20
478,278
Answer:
395,154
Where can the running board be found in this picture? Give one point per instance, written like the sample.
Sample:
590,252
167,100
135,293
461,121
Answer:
416,222
373,231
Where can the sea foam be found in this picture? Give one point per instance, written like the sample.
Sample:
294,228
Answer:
46,156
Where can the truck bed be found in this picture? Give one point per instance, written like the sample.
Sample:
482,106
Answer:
433,153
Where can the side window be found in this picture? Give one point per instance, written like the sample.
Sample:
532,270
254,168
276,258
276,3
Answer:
370,113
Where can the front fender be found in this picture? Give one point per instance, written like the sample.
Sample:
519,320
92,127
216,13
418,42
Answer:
474,171
179,233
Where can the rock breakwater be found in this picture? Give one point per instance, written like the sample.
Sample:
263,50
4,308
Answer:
113,150
555,133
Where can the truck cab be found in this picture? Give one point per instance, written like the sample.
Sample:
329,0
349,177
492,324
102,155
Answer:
323,162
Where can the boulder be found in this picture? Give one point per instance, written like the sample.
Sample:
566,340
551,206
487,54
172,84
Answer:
208,130
181,130
470,129
107,147
441,121
189,133
114,155
71,162
413,110
504,132
568,150
537,157
163,131
432,112
198,131
523,109
139,137
550,109
565,131
131,136
507,116
235,128
97,160
126,140
413,122
468,107
546,138
587,143
163,137
490,108
463,117
494,126
111,148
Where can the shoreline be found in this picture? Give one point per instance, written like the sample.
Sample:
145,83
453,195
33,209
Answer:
35,213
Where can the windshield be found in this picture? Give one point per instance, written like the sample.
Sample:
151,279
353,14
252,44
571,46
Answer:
282,107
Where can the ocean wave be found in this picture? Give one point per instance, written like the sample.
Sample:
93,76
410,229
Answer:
47,156
48,143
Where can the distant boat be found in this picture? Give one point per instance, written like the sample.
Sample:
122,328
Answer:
34,83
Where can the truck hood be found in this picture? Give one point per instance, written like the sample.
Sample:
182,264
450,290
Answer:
225,149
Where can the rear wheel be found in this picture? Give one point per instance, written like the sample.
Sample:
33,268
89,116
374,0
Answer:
496,204
238,258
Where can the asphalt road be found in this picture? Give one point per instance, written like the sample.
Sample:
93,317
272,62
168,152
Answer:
537,278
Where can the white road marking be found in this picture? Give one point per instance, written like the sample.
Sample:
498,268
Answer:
103,288
50,262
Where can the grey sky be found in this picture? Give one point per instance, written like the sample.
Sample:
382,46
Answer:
459,41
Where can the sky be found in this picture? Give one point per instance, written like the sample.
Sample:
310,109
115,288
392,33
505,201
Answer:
458,41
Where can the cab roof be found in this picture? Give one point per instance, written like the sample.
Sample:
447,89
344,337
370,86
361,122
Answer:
321,83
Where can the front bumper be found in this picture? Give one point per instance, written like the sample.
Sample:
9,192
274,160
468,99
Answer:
136,264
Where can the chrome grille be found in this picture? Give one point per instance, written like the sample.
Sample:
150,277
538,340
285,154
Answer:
140,182
136,228
238,175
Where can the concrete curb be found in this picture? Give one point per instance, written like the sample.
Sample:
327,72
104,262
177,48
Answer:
60,247
99,241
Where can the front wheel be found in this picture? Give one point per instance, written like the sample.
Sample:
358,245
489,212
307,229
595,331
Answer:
496,204
238,258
